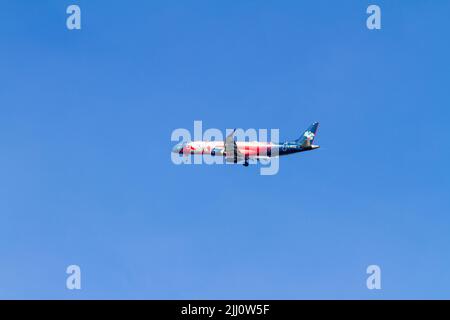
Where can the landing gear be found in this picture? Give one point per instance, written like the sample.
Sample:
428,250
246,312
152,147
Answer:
246,162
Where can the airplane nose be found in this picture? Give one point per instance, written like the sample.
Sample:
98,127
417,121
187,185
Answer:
178,148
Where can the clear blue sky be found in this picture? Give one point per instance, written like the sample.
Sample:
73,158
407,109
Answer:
85,171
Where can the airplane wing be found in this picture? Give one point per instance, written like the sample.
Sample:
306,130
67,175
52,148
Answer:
232,152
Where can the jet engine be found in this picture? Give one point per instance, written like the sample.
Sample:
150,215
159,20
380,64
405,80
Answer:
217,152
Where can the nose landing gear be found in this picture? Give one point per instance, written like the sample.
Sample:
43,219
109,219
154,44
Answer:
246,162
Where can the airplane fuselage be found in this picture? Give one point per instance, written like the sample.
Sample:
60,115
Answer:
248,148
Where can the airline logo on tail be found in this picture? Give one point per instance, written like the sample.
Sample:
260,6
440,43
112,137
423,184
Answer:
309,135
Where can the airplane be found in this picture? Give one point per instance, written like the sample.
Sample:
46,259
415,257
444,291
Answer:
236,151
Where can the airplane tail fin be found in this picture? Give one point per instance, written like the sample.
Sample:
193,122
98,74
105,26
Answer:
307,139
